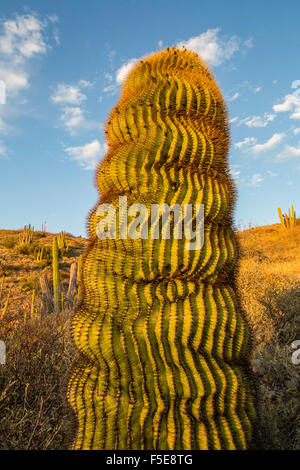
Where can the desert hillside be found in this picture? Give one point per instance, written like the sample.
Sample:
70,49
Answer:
39,348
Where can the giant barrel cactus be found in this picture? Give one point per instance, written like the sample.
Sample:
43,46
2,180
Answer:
162,342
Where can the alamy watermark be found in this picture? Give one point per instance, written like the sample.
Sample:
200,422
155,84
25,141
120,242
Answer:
185,222
2,92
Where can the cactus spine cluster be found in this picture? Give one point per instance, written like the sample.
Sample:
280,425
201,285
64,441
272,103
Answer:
162,342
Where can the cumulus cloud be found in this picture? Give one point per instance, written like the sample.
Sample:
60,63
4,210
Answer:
87,155
70,94
296,131
234,97
22,36
289,152
72,117
14,80
246,143
290,103
257,121
71,98
214,49
269,144
21,39
123,71
255,180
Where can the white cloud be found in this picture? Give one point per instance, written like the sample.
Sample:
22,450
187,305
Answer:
290,183
295,84
112,89
232,120
255,180
3,150
14,79
274,82
245,143
257,121
296,131
269,144
234,97
291,103
289,153
212,48
235,173
23,36
74,120
72,117
257,89
123,71
21,39
70,94
270,173
111,86
87,155
160,43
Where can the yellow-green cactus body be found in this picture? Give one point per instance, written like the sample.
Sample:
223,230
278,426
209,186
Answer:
162,342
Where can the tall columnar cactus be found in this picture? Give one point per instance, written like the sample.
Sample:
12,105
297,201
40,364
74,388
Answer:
62,241
56,277
162,342
288,220
27,234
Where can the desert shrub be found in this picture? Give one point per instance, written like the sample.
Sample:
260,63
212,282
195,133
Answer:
32,404
33,249
27,248
278,379
8,242
30,282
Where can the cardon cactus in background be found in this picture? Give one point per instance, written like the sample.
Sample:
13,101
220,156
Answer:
162,342
288,220
56,277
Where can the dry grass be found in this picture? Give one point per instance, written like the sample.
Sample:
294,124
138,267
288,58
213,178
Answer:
39,350
268,283
32,405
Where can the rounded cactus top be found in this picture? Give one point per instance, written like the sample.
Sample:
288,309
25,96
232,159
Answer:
172,82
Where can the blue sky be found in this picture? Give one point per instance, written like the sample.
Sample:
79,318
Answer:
63,63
